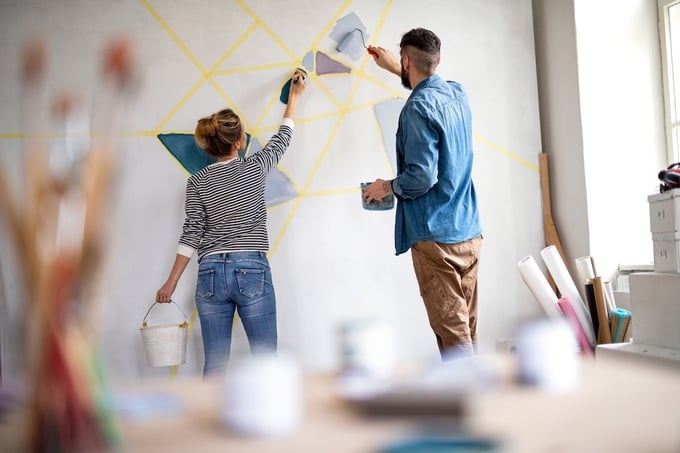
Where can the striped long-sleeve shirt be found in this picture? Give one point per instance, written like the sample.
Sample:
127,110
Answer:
225,205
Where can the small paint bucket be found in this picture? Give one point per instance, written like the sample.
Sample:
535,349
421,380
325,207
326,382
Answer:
165,344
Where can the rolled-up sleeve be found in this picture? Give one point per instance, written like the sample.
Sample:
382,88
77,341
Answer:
420,158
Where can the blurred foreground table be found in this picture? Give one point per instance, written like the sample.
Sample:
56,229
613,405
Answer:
619,406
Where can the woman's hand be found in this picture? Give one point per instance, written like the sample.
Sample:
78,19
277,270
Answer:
164,294
297,85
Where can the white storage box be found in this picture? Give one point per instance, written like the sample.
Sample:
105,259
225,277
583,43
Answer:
664,211
666,252
655,303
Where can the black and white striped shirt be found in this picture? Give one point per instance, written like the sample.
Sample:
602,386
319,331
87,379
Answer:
225,205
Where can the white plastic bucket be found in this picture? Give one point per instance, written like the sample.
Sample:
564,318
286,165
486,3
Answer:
166,344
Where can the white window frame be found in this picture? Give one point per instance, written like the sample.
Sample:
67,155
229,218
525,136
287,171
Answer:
671,92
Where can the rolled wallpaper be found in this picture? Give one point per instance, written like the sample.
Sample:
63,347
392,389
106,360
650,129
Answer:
565,284
538,285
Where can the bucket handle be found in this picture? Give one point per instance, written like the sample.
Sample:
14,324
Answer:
184,324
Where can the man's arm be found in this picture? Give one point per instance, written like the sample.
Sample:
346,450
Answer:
421,157
385,59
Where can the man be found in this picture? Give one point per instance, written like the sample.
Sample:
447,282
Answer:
437,216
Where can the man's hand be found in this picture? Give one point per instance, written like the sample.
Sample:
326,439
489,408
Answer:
377,190
385,59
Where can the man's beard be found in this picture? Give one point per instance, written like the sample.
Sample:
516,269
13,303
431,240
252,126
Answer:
404,79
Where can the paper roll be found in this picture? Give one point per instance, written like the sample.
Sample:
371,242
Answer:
539,286
603,334
609,297
584,269
592,305
580,334
560,274
584,272
620,320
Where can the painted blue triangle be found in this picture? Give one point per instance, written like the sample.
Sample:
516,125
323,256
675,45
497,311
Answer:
279,187
308,61
184,149
192,158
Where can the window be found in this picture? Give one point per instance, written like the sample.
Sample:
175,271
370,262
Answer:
669,29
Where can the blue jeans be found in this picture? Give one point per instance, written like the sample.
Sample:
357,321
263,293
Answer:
229,283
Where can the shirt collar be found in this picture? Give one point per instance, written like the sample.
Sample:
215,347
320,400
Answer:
434,78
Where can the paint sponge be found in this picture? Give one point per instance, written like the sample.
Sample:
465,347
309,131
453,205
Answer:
285,89
302,71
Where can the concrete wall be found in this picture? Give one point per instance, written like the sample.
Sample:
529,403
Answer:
332,260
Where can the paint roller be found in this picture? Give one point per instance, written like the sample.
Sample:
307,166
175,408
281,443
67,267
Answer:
349,39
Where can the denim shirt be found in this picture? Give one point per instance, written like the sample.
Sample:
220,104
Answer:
436,195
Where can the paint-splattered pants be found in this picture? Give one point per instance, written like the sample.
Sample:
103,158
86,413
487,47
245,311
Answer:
447,277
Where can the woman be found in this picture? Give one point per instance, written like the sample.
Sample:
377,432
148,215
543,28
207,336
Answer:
226,226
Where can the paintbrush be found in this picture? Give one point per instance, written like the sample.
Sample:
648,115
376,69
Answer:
118,84
62,276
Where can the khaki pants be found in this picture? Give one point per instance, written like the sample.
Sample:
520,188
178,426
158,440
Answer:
447,277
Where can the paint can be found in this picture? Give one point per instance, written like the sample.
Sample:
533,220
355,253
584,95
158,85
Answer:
548,356
367,349
263,396
375,205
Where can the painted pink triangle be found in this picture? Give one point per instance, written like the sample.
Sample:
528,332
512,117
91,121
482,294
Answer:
327,65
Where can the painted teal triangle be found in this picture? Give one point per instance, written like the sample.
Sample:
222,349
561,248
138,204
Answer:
285,92
192,158
184,149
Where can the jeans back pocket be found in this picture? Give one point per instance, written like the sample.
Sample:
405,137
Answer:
250,281
205,284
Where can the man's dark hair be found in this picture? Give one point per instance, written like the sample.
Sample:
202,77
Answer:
421,39
423,48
